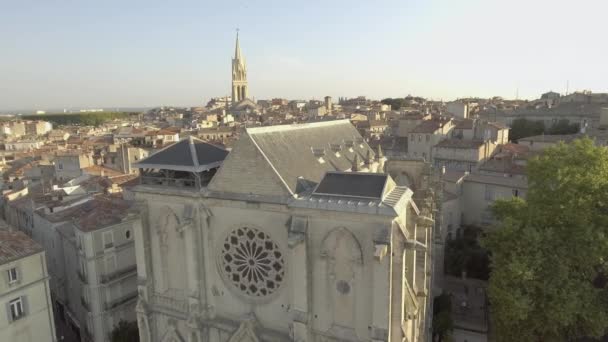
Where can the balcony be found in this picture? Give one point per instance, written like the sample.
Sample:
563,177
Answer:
122,300
119,274
170,301
166,181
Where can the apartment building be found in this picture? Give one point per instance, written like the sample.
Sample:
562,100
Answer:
99,260
24,290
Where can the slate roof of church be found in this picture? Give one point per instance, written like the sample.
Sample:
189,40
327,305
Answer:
189,154
294,150
352,184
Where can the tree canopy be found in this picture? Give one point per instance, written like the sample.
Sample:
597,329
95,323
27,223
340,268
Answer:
563,127
84,119
394,103
125,332
549,253
443,324
522,128
463,253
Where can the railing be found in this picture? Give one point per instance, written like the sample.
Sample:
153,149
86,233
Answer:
171,302
122,300
177,182
105,278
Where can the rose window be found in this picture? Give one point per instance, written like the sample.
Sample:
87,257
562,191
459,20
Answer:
252,262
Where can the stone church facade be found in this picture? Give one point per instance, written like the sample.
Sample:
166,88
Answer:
297,234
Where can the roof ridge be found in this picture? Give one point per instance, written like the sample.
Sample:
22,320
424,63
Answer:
269,163
193,153
281,128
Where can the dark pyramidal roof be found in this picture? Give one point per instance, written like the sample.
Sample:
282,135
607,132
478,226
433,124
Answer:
189,154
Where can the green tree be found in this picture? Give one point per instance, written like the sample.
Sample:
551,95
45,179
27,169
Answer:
522,128
442,318
463,253
84,119
548,254
125,332
394,103
564,127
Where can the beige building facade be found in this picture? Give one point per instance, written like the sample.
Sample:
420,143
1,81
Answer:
24,290
273,242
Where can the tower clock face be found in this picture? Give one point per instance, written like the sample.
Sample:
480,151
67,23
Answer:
252,262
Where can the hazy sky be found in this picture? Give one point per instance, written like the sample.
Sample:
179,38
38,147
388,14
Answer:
146,53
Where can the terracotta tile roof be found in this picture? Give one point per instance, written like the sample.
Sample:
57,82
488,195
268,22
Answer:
430,126
96,170
460,143
98,212
464,124
16,245
497,125
514,148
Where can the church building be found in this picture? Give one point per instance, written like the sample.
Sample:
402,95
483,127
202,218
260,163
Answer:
296,234
240,89
241,103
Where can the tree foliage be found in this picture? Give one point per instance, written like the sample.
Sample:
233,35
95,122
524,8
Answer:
125,332
522,128
464,253
443,324
548,254
83,119
563,127
394,103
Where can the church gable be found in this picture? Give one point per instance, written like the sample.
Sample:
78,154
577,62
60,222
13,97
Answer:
244,333
246,171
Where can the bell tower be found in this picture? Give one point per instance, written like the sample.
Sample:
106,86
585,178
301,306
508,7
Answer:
240,89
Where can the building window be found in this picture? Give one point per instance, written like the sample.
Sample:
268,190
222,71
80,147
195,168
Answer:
489,196
252,262
128,234
60,166
419,137
108,240
16,309
12,275
428,137
515,193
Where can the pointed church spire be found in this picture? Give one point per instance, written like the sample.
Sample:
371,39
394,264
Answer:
237,48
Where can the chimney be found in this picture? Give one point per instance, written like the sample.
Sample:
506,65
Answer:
355,166
368,158
379,155
125,158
